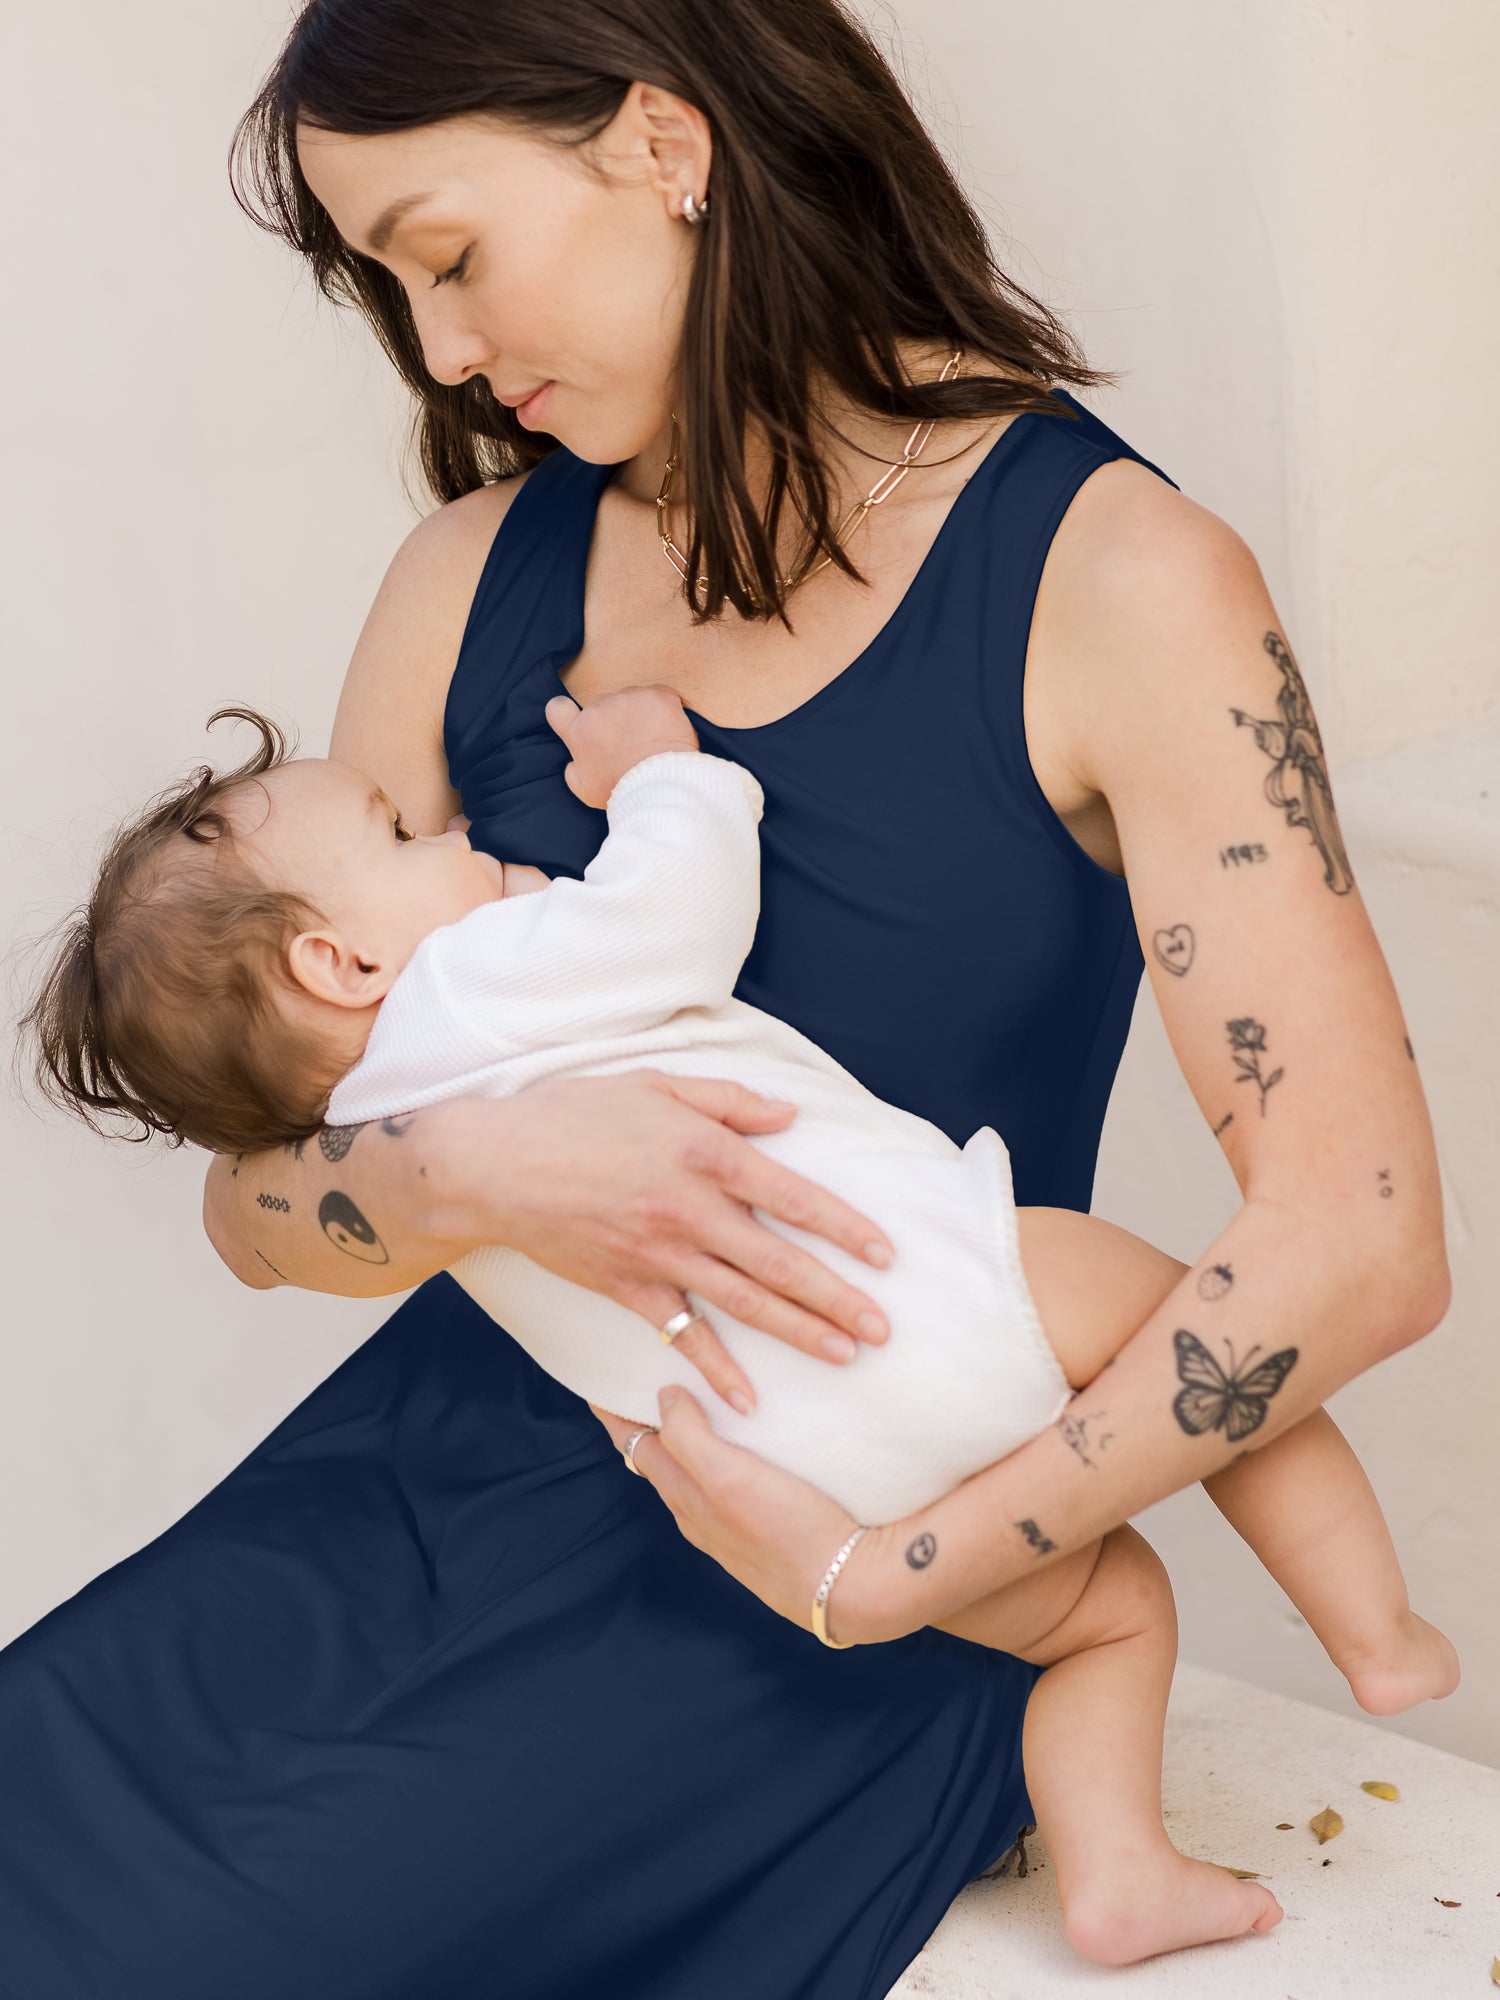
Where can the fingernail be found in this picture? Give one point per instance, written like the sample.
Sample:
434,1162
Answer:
779,1104
741,1401
876,1253
872,1326
666,1398
839,1347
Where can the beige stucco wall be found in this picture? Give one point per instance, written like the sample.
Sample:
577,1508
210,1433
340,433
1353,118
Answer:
1279,221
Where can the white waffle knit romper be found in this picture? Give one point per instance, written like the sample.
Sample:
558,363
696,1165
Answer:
634,967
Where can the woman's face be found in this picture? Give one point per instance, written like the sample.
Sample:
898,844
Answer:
558,275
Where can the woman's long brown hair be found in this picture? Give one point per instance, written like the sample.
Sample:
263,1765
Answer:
836,233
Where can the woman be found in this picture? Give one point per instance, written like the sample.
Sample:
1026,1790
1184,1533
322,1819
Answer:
429,1696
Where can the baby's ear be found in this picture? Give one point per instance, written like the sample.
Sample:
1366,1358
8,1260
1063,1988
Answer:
326,966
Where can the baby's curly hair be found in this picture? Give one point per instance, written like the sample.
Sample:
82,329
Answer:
158,1005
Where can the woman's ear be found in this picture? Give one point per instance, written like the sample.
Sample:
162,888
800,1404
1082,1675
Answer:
675,137
326,966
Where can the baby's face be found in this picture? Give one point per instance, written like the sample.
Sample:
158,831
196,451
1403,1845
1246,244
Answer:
330,833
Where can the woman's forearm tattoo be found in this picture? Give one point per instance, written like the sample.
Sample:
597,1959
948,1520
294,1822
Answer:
340,1218
334,1141
1043,1544
347,1230
1215,1281
922,1551
1074,1432
1234,1401
1297,782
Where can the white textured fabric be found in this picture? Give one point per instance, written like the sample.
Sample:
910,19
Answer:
634,967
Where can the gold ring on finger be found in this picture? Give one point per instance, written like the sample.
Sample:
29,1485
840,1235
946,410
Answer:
678,1323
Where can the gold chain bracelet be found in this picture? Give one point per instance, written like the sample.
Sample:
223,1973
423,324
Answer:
820,1599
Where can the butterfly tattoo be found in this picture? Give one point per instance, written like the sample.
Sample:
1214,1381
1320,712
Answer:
1234,1403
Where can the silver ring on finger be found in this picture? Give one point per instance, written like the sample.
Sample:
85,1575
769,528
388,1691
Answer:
630,1444
678,1323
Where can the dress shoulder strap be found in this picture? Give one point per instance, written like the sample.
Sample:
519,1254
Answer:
993,573
526,603
1093,432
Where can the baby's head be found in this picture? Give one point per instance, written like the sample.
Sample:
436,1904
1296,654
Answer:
239,938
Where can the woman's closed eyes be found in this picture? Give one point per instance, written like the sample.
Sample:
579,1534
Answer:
457,270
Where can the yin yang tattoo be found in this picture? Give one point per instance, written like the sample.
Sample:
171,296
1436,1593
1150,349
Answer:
347,1229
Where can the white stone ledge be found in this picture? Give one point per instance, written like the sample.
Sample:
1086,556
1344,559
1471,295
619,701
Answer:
1368,1925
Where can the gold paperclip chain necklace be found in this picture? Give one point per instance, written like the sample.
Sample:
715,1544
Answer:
883,488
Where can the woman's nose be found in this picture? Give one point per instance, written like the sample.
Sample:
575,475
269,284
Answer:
452,349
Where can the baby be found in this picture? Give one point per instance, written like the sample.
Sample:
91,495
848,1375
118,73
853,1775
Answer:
270,949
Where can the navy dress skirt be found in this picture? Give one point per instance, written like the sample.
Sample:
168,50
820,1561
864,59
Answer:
428,1699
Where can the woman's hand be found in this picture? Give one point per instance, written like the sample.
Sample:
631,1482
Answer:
640,1186
771,1530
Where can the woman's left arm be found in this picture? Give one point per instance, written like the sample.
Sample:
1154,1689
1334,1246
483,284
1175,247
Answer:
1194,724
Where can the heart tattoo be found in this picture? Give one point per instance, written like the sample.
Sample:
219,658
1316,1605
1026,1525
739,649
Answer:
1174,948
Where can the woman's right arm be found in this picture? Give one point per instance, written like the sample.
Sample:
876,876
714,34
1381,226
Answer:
637,1185
263,1211
351,1212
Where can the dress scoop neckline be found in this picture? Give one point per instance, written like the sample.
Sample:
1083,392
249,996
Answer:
900,613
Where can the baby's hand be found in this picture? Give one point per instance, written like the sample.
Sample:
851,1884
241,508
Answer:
614,731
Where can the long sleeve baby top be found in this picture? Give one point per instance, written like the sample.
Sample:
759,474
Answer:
634,967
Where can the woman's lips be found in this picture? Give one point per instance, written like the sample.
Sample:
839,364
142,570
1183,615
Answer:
531,412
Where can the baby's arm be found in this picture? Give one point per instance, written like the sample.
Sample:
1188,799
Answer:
662,920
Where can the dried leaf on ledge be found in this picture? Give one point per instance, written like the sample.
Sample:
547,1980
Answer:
1379,1789
1326,1824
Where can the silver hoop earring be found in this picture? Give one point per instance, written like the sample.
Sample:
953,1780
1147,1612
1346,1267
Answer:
694,211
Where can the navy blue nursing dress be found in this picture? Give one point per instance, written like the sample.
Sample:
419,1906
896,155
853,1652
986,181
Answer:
428,1699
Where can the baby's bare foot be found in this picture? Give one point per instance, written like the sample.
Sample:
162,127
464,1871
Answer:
1165,1904
1420,1665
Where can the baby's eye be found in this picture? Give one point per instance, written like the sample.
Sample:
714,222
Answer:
401,829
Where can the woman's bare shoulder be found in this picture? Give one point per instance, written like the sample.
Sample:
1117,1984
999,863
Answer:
390,712
1130,557
1126,521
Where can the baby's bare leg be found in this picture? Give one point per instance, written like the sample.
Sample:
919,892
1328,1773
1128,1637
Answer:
1302,1502
1304,1505
1101,1621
